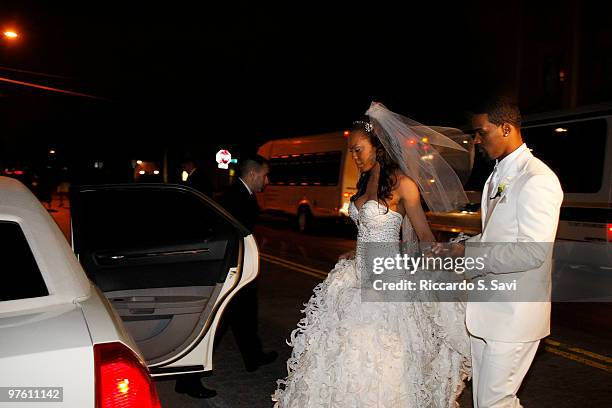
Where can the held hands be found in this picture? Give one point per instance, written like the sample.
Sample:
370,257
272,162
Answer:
455,248
452,250
443,250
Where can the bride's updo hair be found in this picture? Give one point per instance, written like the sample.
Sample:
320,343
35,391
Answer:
388,167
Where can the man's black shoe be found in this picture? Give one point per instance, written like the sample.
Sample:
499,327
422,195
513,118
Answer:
264,358
194,390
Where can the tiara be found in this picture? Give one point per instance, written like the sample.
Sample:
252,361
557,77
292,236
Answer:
367,125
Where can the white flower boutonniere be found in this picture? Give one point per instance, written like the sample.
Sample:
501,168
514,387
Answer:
503,185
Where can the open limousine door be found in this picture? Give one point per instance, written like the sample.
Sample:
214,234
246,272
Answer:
169,260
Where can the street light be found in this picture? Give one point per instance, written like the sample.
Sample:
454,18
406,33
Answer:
10,34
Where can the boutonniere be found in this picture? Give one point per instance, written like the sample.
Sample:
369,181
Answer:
501,188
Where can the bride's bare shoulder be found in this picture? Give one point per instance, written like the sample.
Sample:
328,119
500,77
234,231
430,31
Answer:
404,182
407,189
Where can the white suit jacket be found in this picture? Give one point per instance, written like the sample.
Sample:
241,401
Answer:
526,212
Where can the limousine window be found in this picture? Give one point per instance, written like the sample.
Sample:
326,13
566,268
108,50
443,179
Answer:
20,267
309,169
567,148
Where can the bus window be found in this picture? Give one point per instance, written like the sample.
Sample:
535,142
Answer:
320,169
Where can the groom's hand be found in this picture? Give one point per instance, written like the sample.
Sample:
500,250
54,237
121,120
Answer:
457,250
445,250
435,250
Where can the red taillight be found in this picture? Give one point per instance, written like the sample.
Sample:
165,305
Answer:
122,380
346,133
609,229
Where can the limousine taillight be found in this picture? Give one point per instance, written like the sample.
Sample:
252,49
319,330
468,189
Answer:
122,380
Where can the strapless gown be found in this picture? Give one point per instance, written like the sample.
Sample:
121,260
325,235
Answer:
349,353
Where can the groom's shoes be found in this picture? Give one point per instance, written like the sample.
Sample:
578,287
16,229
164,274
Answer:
193,388
264,358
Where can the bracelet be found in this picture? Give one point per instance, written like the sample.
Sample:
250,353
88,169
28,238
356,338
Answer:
459,238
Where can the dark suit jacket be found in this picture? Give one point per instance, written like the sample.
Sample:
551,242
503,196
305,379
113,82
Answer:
199,180
242,205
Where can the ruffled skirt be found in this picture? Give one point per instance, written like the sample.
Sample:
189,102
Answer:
354,354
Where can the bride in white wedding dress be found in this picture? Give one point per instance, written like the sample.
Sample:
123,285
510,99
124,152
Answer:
352,353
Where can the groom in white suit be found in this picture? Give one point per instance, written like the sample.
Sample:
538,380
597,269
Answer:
520,212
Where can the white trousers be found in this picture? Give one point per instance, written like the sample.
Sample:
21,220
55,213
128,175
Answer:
498,371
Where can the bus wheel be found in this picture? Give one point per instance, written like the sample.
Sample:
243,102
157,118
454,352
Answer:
304,220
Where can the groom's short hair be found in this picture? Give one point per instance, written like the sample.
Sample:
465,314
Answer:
249,163
500,109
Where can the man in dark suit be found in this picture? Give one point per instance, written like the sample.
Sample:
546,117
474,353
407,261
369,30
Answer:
197,178
239,200
241,314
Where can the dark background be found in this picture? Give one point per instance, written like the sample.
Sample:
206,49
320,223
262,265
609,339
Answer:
188,78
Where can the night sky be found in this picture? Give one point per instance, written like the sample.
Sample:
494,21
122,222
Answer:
193,76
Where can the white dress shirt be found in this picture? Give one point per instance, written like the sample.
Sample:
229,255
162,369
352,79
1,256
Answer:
506,166
245,184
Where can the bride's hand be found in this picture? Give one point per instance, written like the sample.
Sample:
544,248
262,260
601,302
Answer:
347,255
